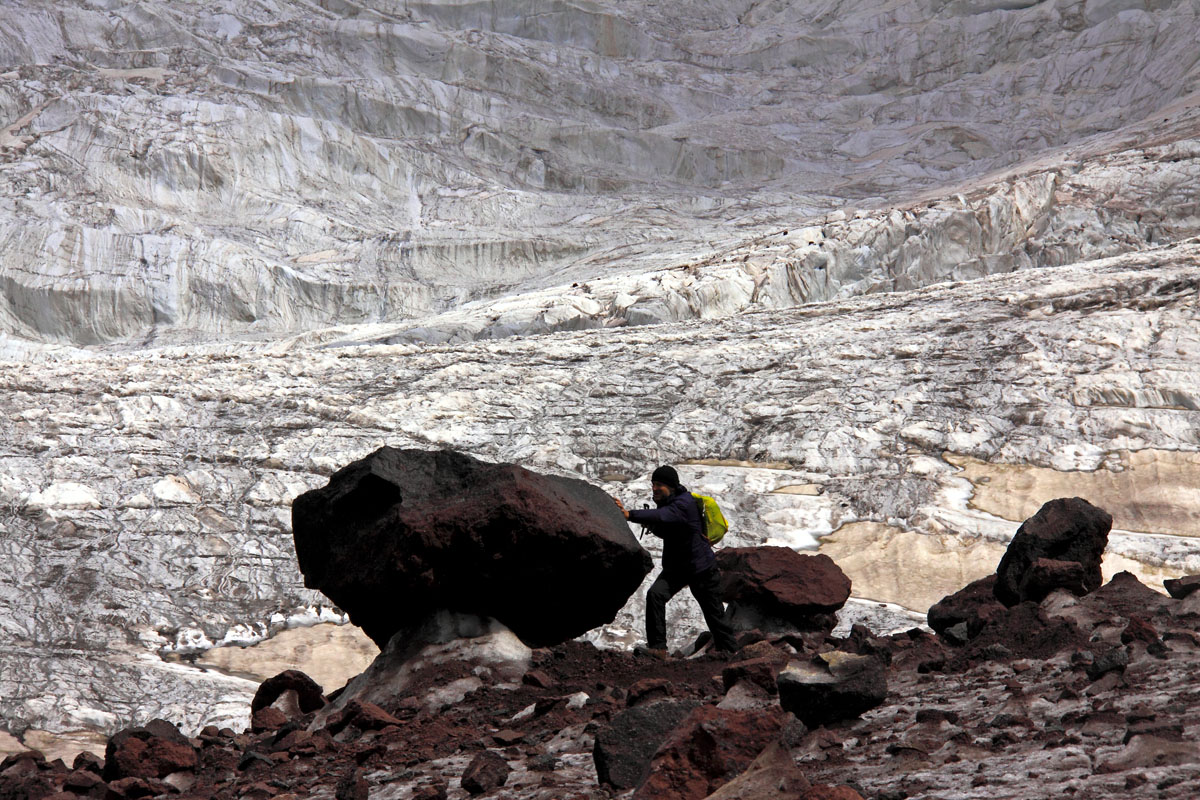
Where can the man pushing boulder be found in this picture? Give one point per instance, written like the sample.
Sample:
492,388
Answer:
687,560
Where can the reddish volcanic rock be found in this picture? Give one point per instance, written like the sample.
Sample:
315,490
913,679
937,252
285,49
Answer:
267,719
801,589
308,692
402,534
1138,630
1021,632
154,751
1182,587
974,605
487,771
1064,530
707,749
1128,597
623,749
761,672
25,774
773,775
362,715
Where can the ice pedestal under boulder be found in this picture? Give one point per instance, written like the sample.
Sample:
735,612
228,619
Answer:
403,534
439,662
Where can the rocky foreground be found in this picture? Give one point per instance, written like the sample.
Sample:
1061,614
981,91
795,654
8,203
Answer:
1037,682
1087,697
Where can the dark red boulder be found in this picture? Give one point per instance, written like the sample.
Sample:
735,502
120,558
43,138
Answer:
1180,588
362,715
152,752
804,590
1063,530
710,747
402,534
974,604
308,691
25,774
487,771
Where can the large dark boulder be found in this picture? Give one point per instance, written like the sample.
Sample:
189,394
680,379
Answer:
1063,531
308,692
402,534
803,590
623,749
832,686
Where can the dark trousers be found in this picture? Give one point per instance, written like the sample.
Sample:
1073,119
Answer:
705,588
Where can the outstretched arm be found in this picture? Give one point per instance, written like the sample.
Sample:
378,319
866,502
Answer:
657,516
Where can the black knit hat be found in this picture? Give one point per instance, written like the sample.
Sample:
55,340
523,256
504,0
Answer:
666,476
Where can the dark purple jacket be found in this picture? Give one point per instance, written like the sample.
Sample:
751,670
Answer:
686,552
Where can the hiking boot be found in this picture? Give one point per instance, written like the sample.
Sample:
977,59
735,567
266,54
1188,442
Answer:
657,653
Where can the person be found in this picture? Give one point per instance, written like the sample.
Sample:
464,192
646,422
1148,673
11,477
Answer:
687,560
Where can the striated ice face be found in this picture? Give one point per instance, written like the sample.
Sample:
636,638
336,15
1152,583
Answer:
879,277
190,171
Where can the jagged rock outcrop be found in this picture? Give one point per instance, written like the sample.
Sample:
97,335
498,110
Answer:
403,534
1060,546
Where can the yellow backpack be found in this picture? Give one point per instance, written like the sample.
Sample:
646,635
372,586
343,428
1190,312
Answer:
711,518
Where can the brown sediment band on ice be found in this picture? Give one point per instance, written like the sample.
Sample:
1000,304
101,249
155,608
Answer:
330,654
1153,491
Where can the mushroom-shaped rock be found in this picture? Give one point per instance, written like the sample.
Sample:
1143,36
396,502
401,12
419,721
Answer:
402,534
1069,529
803,590
308,692
831,687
